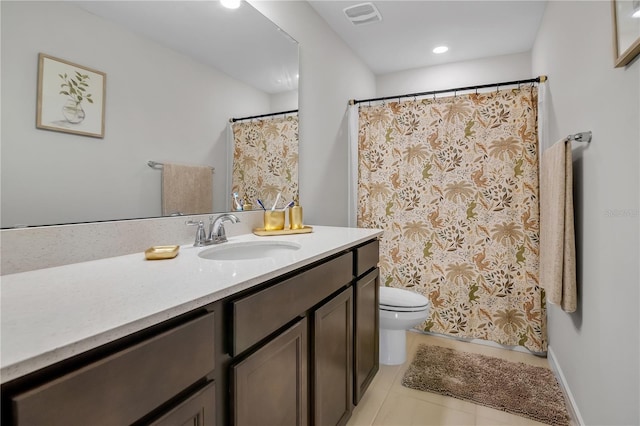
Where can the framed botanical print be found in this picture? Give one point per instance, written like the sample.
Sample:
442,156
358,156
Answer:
626,30
71,97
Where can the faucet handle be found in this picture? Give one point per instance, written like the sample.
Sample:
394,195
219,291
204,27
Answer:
201,236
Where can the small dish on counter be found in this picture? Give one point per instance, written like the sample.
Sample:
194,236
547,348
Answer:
161,252
286,231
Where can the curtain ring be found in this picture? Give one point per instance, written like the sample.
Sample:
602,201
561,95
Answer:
455,93
434,96
476,91
497,88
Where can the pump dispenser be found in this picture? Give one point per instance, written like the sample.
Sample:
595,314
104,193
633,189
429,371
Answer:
295,217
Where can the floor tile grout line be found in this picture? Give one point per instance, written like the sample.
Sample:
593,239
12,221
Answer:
379,408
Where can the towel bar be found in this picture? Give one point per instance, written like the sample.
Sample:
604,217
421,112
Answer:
158,166
580,137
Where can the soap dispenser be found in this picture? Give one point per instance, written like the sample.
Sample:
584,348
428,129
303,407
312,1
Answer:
295,216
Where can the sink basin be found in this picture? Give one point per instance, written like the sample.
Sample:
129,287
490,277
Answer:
249,250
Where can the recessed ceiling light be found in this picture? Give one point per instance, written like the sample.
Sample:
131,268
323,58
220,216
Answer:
230,4
440,49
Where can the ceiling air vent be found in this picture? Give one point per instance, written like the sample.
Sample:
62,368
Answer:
362,13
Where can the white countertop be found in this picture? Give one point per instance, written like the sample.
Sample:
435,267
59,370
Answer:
49,315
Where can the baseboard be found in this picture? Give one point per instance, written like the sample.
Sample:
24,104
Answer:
482,342
576,418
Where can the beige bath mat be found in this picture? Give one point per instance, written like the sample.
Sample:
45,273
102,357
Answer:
514,387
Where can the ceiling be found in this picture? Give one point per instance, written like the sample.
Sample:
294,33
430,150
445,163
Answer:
241,43
409,30
403,40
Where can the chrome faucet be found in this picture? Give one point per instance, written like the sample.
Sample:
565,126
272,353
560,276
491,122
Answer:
201,236
217,233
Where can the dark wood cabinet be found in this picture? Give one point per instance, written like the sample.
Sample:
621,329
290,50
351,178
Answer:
197,410
265,383
339,296
332,360
269,386
295,350
261,313
366,331
125,386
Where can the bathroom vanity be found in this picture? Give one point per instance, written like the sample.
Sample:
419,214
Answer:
286,340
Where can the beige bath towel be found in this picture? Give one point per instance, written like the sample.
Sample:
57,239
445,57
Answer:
557,236
186,189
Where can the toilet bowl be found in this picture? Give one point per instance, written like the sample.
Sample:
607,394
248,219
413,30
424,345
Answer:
400,310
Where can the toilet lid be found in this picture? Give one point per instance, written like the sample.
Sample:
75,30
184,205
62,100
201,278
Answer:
398,299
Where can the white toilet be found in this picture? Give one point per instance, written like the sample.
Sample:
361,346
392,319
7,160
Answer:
400,310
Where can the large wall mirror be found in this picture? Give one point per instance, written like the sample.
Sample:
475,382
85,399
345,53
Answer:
176,72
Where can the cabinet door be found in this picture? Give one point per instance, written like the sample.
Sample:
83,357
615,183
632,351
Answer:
256,316
269,387
197,410
125,386
367,325
367,257
332,360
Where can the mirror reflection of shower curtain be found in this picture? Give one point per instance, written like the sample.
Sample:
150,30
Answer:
453,182
265,159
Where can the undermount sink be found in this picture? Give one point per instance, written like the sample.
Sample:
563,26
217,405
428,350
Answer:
249,250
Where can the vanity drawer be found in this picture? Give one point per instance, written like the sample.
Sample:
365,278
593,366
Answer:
367,257
125,386
256,316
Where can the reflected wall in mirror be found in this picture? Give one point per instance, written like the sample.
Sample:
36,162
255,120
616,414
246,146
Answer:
177,71
265,161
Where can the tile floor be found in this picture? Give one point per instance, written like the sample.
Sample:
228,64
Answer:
388,403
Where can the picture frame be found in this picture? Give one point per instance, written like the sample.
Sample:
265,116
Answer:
71,97
626,31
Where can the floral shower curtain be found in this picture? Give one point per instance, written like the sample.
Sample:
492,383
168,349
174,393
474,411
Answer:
453,182
265,159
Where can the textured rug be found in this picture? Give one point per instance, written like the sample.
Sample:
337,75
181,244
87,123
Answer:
514,387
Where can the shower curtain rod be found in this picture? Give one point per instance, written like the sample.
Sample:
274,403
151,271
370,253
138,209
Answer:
233,120
540,79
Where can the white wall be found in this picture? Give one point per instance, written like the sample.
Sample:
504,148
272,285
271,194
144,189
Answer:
330,75
285,101
459,74
597,347
160,105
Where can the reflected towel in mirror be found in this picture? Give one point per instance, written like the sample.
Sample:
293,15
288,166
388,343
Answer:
186,189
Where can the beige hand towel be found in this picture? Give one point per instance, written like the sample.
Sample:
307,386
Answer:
557,235
186,189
